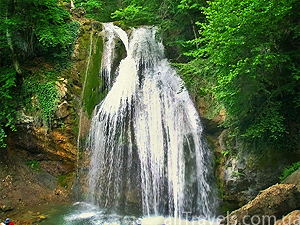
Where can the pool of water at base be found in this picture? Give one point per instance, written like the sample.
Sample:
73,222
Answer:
82,213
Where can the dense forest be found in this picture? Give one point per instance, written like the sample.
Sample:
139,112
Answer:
243,56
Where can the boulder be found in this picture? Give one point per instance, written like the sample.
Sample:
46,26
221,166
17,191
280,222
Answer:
294,178
243,176
62,87
270,204
62,110
292,218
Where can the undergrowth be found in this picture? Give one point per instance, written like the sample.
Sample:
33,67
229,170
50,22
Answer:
40,93
34,165
289,170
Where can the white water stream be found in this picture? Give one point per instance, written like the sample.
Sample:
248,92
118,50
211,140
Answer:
146,135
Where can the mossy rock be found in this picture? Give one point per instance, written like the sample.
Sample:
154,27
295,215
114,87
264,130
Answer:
97,26
93,91
66,180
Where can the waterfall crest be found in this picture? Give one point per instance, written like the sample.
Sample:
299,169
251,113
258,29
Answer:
146,136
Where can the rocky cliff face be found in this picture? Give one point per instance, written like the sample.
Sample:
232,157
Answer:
38,166
278,204
241,172
40,163
269,206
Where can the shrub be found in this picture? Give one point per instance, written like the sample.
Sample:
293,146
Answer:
289,170
34,165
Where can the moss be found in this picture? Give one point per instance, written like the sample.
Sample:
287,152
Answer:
75,123
34,165
228,206
84,44
94,84
121,25
66,180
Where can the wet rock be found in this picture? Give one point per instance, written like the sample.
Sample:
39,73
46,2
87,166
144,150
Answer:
62,87
270,204
78,12
42,217
292,218
62,110
133,196
24,119
243,174
6,207
97,26
238,181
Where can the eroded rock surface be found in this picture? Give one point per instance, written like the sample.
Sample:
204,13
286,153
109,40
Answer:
267,207
292,218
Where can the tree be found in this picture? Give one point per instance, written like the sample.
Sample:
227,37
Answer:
250,53
175,19
29,29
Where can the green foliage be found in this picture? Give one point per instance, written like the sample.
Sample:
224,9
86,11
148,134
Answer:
65,180
34,165
29,29
37,28
46,94
189,5
92,7
29,20
135,15
248,54
98,9
272,122
225,153
175,18
93,91
7,101
51,28
61,54
289,170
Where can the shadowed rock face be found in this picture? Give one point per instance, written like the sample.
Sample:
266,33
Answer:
270,204
294,178
40,145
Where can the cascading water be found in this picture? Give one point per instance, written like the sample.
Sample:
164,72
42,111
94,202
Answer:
146,136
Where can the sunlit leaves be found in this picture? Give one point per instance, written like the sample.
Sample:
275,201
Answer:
135,14
250,48
93,7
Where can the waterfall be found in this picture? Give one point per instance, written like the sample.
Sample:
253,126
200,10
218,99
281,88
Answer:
146,142
108,55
